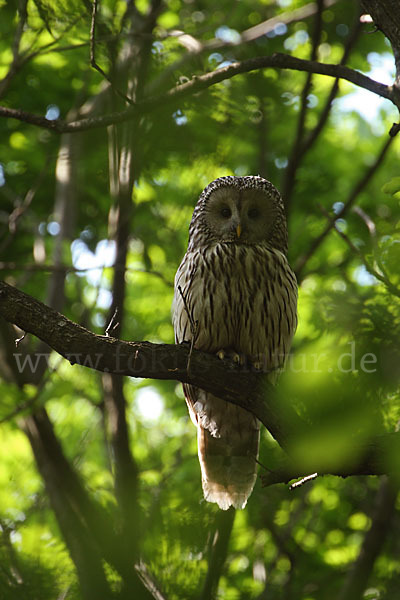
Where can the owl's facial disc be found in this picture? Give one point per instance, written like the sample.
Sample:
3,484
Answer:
244,216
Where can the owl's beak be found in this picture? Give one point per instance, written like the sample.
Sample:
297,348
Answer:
239,230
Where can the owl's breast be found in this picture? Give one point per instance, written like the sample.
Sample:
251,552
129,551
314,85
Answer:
236,297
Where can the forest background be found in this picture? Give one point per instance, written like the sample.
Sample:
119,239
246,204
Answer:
114,115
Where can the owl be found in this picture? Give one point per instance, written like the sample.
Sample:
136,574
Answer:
236,296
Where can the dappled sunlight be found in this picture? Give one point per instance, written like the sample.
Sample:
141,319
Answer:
114,116
149,404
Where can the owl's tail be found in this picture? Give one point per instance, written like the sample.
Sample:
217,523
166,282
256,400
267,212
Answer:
228,450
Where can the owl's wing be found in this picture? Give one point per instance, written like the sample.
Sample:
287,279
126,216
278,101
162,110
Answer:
183,324
191,398
182,307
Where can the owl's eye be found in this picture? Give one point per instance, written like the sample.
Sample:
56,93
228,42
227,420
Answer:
253,213
226,212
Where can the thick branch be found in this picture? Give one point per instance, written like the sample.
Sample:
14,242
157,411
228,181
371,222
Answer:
144,359
202,82
386,16
243,387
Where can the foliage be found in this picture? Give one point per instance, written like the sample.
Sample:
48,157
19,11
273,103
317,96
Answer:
62,210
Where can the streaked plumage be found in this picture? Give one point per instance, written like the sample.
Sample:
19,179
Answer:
236,286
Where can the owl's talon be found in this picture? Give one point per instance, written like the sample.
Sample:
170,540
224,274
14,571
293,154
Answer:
238,359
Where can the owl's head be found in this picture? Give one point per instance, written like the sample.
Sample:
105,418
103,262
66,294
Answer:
239,210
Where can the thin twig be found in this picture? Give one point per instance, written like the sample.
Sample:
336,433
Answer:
149,581
261,465
196,47
22,206
303,142
93,62
372,230
303,480
370,225
314,134
113,324
32,401
28,54
193,323
12,266
357,189
19,340
296,153
367,220
393,289
16,60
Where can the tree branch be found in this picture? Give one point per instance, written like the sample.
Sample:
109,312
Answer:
93,61
244,387
202,82
382,277
86,526
304,141
196,47
122,174
354,193
219,545
296,153
70,504
16,60
143,359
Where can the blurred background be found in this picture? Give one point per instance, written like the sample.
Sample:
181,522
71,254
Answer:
100,485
